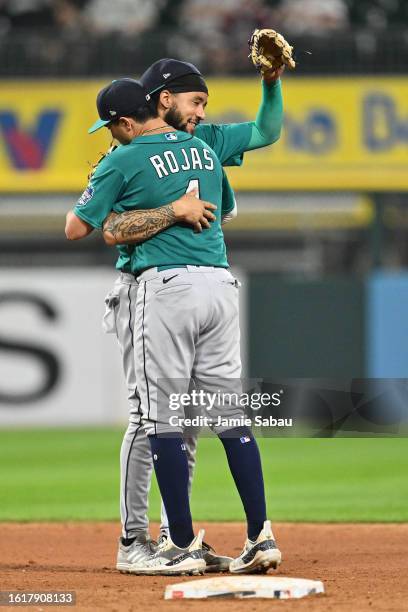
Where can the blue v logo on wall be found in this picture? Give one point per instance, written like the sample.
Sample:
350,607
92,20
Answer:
28,149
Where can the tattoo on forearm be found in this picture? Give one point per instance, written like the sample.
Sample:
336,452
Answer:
136,226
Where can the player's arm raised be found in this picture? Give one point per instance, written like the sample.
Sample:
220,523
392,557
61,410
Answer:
230,141
266,128
136,226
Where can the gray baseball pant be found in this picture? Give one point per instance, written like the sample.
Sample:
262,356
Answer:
186,329
135,455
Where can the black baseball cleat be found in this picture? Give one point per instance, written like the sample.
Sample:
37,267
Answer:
258,556
215,563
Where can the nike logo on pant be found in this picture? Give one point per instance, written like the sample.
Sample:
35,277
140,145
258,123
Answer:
166,280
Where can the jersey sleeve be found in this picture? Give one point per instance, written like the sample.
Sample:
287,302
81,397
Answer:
98,199
237,160
268,123
228,141
228,197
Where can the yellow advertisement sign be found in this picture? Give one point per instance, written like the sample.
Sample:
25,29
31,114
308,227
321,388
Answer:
339,134
44,145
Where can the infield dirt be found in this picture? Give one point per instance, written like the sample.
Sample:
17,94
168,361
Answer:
363,567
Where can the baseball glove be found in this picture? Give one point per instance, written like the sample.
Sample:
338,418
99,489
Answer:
269,51
96,164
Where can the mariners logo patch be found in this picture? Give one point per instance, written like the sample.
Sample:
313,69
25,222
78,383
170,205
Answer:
86,196
171,136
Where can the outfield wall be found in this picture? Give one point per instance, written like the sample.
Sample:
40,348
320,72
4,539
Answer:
58,368
307,328
387,325
56,365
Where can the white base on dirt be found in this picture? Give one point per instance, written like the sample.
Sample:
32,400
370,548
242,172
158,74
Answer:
244,587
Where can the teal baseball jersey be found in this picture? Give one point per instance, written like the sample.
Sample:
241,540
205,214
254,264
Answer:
228,141
152,171
228,204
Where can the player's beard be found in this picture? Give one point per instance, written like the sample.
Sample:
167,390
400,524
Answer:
174,118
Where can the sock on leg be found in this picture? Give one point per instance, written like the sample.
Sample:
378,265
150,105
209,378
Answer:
171,467
245,465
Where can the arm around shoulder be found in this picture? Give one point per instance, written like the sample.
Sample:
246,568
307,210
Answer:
137,226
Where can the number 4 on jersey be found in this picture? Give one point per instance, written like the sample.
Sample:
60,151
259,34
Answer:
194,184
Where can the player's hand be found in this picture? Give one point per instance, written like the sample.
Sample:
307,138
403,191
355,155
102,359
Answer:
198,213
273,75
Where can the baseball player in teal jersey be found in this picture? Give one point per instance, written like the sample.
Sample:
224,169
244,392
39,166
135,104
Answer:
204,343
264,131
136,464
173,85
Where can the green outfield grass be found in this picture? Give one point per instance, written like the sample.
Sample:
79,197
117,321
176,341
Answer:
74,474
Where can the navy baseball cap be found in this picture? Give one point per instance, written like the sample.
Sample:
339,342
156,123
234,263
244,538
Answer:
118,99
170,73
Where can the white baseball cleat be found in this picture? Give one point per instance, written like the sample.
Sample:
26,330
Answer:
258,556
141,549
170,560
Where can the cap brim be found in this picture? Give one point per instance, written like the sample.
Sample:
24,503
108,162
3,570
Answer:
97,125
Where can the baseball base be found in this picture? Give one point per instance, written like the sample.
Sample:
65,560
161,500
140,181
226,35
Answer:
244,587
